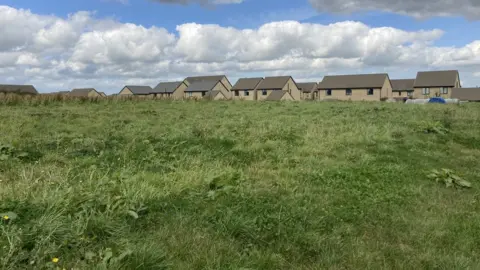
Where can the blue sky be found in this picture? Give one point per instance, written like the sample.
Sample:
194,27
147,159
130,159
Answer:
449,39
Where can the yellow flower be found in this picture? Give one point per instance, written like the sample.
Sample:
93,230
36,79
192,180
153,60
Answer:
6,217
55,260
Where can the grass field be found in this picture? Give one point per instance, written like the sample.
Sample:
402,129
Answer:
238,185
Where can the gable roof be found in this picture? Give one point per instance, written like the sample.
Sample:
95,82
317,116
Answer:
139,90
274,82
247,83
19,89
472,94
436,78
166,87
213,94
277,95
402,85
307,87
81,92
191,80
353,81
202,86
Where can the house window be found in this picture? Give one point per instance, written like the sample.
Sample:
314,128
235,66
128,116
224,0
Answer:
348,92
400,93
370,92
426,91
329,92
246,93
264,92
204,93
190,94
409,93
237,93
444,90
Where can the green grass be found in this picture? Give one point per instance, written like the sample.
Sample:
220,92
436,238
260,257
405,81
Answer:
238,185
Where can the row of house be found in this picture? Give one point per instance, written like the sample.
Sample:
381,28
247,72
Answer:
360,87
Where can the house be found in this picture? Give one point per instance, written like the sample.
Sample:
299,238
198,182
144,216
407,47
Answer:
136,90
466,94
84,92
103,94
402,88
222,78
309,90
282,95
175,90
371,87
436,83
199,89
18,89
246,88
282,83
214,95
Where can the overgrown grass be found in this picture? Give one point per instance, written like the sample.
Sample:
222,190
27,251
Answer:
238,185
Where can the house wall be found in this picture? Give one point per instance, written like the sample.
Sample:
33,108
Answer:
179,93
219,96
287,97
227,84
94,94
306,96
262,97
221,87
242,96
397,94
434,91
293,89
125,91
197,95
386,89
357,95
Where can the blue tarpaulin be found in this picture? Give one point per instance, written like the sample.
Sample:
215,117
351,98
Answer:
437,100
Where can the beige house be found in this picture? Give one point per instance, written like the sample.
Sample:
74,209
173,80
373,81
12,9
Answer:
222,78
466,94
200,89
136,90
18,89
436,83
363,87
402,88
173,90
84,92
309,90
274,84
103,94
282,95
214,95
246,88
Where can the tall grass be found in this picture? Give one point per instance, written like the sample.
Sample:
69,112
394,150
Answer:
113,184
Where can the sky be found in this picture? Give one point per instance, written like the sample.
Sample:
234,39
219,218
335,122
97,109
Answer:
106,44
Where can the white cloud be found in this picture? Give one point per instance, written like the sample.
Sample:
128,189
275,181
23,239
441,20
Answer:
81,50
415,8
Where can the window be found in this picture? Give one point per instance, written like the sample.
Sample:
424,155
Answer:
264,92
400,93
370,92
190,94
237,93
329,92
246,93
426,91
348,92
204,93
444,90
409,93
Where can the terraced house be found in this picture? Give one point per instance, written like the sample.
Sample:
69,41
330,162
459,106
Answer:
402,88
466,94
17,89
200,89
246,88
226,90
84,92
174,90
137,91
309,90
284,84
436,83
367,87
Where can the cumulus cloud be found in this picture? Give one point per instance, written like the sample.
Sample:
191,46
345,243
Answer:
415,8
81,50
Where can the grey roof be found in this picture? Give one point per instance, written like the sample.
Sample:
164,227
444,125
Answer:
443,78
212,94
205,78
307,87
19,89
201,86
247,84
353,81
471,94
276,95
274,82
166,87
403,85
81,92
140,90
